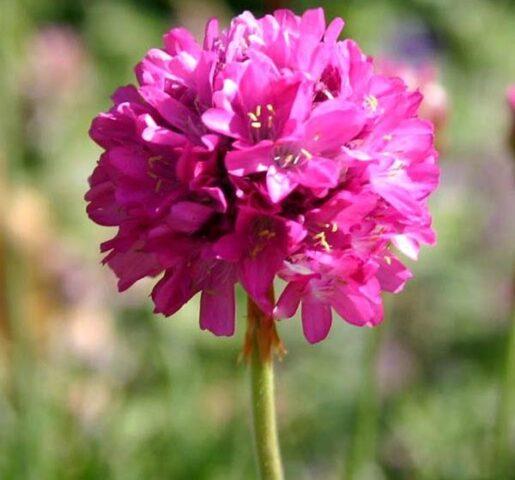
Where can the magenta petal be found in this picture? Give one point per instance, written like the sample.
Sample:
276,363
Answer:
313,22
354,308
172,291
393,275
151,132
228,248
289,300
318,173
211,33
332,125
333,30
173,111
257,277
180,39
188,217
224,122
217,306
407,245
132,266
316,320
279,184
397,196
249,160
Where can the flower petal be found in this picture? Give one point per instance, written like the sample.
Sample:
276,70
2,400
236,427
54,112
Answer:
316,320
289,300
217,306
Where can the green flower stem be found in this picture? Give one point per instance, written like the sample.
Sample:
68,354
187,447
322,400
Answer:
261,339
363,447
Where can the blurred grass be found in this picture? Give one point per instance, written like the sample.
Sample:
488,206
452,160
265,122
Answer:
95,387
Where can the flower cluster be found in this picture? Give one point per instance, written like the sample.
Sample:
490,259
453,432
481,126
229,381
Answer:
270,151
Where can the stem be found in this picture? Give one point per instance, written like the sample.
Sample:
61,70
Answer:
262,337
363,446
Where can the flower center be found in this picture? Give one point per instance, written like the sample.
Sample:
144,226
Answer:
371,103
288,155
262,122
262,232
329,84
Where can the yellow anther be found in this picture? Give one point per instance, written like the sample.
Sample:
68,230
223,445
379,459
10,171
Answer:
255,124
372,102
270,108
268,234
388,260
289,159
334,227
253,116
258,110
306,153
322,240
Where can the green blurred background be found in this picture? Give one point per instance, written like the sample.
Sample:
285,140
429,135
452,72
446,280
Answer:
92,386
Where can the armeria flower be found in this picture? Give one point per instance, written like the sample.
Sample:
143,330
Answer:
271,150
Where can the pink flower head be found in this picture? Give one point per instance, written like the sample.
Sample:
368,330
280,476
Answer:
271,150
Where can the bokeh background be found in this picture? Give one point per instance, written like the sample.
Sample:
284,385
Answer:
92,386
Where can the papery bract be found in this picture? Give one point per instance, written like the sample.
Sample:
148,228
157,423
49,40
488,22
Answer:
271,150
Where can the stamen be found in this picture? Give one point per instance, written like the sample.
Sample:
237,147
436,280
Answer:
270,108
328,94
253,116
322,240
268,234
255,124
371,102
306,153
258,110
288,159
